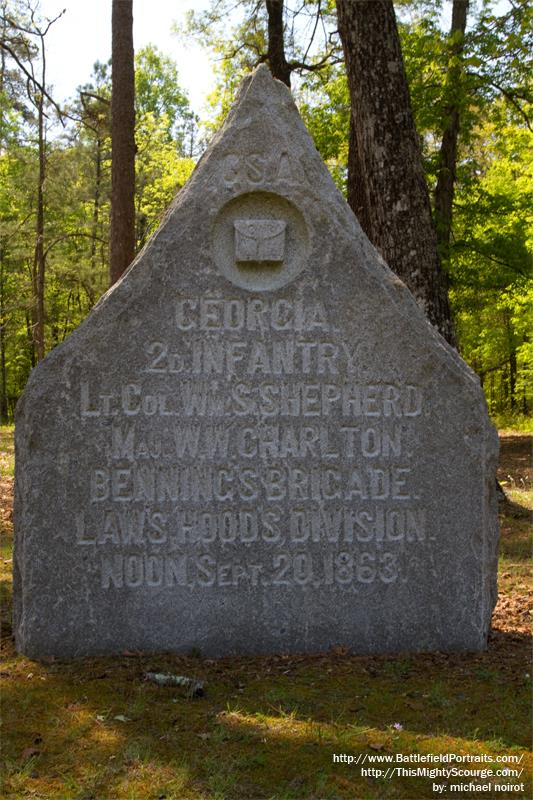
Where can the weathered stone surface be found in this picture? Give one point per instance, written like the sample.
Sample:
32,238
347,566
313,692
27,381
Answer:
255,442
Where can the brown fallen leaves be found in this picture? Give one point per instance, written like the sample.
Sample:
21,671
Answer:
514,612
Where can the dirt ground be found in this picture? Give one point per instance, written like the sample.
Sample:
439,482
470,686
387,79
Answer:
516,461
512,619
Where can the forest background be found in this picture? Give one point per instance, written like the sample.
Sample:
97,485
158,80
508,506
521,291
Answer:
55,166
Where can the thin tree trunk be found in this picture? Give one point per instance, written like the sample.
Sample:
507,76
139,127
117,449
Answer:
447,170
2,51
3,372
276,47
512,378
386,159
122,246
39,260
96,210
38,96
4,413
95,222
30,339
511,362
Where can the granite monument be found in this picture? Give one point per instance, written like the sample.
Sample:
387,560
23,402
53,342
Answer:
255,442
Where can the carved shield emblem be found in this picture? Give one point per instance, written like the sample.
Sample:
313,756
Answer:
259,239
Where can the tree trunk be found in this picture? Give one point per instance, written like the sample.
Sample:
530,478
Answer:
39,257
512,378
96,203
446,175
39,262
4,414
512,363
356,194
276,47
30,339
3,372
386,174
122,246
2,52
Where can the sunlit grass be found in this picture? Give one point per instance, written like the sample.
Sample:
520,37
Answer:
522,497
7,450
259,732
509,424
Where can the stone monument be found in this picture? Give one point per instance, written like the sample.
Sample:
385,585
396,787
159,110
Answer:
255,442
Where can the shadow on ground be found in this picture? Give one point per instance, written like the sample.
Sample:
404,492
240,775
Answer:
267,728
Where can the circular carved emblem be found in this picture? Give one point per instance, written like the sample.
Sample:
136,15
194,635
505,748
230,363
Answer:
260,241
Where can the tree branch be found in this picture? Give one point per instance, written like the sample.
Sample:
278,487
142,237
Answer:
32,79
311,40
95,97
511,98
318,65
73,236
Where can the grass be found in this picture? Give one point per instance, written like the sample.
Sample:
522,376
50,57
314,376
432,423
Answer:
268,727
7,451
509,424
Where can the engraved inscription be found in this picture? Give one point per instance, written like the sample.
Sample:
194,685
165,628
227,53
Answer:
336,525
255,315
212,442
281,399
283,569
251,170
249,450
199,484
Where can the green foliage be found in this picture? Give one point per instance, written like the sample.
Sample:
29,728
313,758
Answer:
77,201
18,169
492,235
324,104
236,35
237,48
495,63
158,94
160,172
516,423
492,287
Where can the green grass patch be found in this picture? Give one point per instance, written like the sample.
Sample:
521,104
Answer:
513,423
7,451
267,728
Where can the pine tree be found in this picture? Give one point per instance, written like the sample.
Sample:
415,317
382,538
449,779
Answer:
122,245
